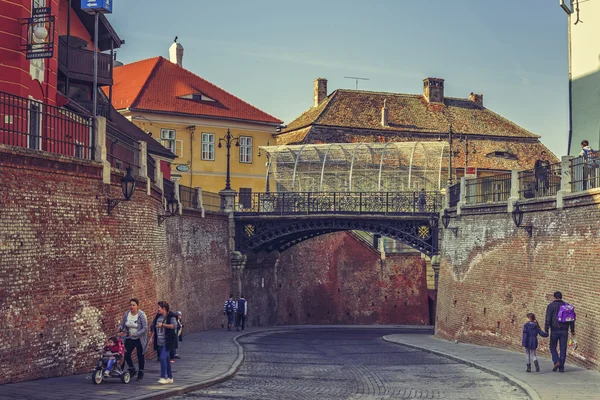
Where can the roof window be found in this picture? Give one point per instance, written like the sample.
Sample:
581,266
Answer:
197,97
502,154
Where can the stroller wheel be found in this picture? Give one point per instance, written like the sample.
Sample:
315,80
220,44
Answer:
97,377
125,377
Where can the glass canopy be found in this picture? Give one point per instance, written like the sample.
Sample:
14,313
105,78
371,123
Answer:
358,167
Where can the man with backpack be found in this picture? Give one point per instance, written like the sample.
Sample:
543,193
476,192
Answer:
229,310
560,316
590,166
242,310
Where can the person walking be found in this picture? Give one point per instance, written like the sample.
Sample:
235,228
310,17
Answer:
229,310
134,329
541,170
242,311
531,330
559,333
422,200
164,326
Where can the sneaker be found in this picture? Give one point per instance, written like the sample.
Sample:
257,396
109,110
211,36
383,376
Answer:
140,375
561,369
170,380
172,361
556,366
177,356
106,373
163,381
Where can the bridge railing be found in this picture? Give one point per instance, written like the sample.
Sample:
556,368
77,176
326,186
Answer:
488,189
339,202
545,182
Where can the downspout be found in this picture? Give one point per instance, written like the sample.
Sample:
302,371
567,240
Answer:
570,84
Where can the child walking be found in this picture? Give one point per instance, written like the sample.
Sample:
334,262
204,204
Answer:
530,342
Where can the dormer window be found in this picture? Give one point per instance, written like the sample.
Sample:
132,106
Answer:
502,154
197,97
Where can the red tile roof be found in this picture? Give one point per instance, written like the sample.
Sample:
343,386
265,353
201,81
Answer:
156,84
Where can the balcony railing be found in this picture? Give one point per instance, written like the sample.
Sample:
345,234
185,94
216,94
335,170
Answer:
211,201
103,110
488,189
38,126
454,195
544,182
122,152
187,197
585,172
79,63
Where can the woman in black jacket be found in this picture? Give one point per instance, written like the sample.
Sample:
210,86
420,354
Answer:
165,339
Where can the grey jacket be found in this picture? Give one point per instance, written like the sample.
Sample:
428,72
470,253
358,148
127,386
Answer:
142,330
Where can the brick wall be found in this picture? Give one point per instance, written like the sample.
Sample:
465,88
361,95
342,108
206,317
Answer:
68,270
493,273
336,279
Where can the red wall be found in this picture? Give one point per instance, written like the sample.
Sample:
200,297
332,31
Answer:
15,77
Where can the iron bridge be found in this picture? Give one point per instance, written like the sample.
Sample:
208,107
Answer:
278,221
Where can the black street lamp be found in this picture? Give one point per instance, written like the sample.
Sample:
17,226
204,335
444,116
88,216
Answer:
517,216
228,139
267,188
172,209
127,186
446,221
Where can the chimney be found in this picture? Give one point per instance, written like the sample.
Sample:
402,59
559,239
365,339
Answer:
384,114
176,53
433,90
320,90
476,98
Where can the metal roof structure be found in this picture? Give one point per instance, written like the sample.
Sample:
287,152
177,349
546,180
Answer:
358,167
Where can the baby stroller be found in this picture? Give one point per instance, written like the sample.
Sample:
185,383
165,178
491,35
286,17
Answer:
117,371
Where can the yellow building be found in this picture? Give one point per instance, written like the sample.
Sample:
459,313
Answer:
190,115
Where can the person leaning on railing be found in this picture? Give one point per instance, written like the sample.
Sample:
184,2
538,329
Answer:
591,160
541,169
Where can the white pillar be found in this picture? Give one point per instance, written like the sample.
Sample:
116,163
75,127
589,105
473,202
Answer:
514,190
565,178
100,147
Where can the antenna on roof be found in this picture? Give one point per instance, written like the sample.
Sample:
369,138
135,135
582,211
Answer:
175,41
356,78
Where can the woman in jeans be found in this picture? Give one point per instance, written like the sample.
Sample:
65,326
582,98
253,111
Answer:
134,329
164,326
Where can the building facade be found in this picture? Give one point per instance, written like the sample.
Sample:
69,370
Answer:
189,116
584,74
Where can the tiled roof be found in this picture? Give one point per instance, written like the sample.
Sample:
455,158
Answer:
157,85
407,113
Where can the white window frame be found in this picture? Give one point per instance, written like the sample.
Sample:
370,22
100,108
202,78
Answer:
168,138
208,146
246,149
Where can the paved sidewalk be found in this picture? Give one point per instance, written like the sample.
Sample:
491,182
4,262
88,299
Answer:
576,383
208,358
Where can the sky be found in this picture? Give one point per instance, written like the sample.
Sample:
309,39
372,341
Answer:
269,52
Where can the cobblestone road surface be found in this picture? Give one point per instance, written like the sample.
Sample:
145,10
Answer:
350,364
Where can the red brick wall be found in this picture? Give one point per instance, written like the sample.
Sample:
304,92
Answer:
68,270
336,279
492,274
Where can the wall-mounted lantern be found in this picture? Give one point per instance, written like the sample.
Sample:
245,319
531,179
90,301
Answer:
172,209
446,221
517,216
127,186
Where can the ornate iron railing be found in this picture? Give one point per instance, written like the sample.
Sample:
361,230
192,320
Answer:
211,201
454,195
122,151
39,126
488,189
187,197
339,203
544,182
585,172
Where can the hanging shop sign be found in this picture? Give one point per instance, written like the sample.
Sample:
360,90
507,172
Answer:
96,6
182,168
39,34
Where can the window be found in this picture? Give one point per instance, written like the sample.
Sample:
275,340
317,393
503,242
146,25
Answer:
35,125
169,140
208,146
246,149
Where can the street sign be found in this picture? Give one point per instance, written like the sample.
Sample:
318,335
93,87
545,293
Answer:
182,168
97,6
471,172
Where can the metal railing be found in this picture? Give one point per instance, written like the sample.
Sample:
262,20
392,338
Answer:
454,195
80,62
541,183
151,169
339,202
488,189
211,201
187,197
585,172
122,151
38,126
168,188
103,109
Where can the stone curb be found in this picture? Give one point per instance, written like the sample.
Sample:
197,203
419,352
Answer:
533,395
240,358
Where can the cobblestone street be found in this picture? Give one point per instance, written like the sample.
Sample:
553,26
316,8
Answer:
349,364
